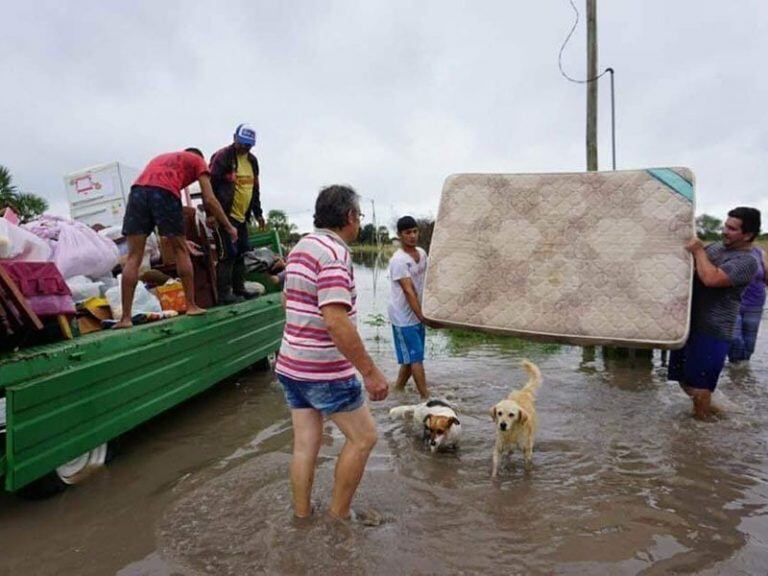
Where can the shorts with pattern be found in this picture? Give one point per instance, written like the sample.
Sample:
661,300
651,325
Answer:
148,207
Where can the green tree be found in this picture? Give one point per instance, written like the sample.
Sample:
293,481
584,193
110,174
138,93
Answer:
384,235
7,188
426,227
708,227
27,206
278,220
367,234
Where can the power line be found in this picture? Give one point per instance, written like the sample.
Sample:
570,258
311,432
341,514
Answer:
562,48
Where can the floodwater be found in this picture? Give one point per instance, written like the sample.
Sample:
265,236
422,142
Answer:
624,481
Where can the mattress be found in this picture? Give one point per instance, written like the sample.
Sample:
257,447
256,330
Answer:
583,258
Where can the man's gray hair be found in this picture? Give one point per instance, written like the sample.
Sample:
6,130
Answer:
333,205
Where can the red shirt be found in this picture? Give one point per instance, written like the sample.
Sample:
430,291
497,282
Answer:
173,171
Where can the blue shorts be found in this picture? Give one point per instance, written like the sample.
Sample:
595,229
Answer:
149,207
409,343
327,397
699,363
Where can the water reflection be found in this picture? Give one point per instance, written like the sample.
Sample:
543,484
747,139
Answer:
624,481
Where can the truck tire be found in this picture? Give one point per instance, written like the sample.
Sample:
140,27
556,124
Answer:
68,474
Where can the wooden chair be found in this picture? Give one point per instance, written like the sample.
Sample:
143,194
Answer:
18,315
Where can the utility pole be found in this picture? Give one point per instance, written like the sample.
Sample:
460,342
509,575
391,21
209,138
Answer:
588,352
375,225
591,85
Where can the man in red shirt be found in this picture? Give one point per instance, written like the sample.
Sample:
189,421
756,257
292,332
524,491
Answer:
155,200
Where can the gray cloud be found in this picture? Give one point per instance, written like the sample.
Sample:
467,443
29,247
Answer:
390,97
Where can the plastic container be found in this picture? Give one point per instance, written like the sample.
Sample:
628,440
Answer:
171,296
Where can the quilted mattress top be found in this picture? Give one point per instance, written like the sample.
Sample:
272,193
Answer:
582,258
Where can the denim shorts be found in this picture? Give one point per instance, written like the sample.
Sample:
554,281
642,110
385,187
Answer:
149,207
409,343
327,397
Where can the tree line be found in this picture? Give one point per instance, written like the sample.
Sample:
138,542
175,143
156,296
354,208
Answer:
369,234
29,206
711,228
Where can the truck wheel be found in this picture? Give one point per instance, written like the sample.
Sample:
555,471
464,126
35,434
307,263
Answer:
73,472
261,366
78,469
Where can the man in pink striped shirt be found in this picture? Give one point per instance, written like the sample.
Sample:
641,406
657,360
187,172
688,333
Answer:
321,352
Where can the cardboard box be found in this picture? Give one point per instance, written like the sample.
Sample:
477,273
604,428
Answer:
171,296
91,313
87,324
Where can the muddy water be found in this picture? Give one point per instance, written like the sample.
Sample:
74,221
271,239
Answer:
623,481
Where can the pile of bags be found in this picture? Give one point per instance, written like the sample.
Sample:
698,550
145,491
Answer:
86,258
76,249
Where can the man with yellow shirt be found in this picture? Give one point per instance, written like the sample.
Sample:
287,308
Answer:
235,181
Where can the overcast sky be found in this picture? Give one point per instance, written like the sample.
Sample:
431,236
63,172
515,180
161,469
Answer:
388,96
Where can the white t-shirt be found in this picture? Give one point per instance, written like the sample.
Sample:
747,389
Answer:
401,265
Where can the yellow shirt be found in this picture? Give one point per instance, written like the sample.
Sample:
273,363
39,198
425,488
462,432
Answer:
243,188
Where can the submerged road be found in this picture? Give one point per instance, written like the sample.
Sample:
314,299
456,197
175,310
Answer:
624,480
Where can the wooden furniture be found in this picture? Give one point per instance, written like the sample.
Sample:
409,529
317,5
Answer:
16,314
16,309
17,319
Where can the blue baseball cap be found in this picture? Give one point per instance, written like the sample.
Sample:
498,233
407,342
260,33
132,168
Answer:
246,135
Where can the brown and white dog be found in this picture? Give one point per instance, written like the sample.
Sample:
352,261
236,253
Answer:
515,419
441,425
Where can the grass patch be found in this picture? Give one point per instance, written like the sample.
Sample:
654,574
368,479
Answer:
385,249
465,339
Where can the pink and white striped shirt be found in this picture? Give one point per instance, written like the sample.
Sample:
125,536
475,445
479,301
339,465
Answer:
318,272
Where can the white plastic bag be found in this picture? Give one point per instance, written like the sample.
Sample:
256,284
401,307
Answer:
144,301
81,250
19,244
83,288
105,283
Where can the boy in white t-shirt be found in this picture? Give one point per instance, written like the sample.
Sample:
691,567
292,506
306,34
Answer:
407,268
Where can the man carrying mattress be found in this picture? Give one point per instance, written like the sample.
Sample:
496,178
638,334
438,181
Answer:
723,270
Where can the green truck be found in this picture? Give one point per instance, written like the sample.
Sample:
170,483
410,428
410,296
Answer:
64,402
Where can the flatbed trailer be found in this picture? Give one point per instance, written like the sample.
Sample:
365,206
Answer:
65,399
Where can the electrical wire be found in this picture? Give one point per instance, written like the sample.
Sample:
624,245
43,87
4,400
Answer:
562,48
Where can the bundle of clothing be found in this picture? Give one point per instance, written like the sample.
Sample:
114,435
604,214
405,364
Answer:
260,260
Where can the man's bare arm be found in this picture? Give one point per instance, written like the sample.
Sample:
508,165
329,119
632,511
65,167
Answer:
410,295
709,274
347,340
212,204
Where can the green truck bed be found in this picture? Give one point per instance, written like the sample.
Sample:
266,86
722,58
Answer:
67,398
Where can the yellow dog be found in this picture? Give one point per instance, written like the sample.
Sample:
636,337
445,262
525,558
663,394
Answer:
515,419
